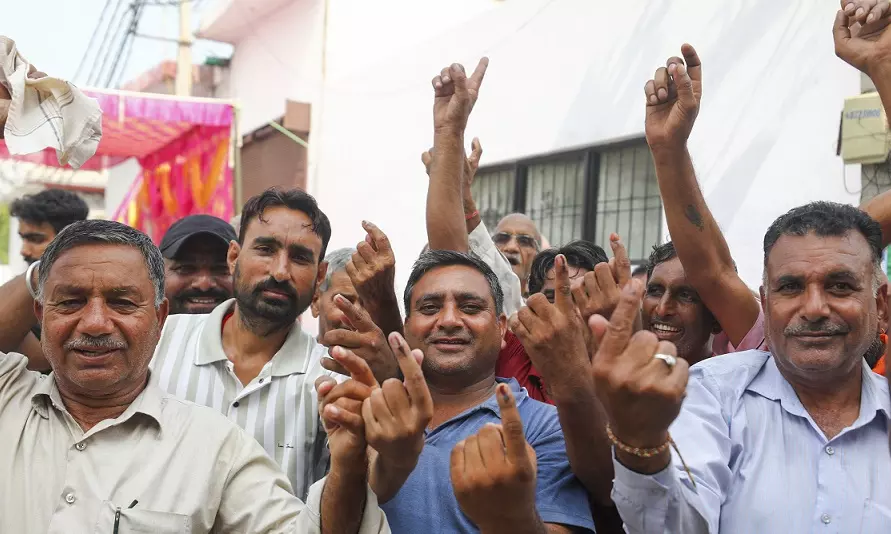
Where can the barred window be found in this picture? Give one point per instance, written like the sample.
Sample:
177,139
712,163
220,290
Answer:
582,194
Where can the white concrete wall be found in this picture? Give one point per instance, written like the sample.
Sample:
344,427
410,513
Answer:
563,73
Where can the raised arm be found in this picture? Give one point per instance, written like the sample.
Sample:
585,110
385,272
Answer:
866,46
17,317
673,97
455,95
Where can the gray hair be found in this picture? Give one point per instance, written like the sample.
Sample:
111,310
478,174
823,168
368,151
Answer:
107,232
337,261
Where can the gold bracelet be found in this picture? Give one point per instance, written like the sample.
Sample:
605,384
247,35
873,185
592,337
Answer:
636,451
649,453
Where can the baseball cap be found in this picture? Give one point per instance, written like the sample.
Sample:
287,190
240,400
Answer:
193,225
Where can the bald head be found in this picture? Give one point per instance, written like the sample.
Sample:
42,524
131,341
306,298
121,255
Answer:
517,237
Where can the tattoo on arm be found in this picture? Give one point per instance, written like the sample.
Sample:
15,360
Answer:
694,217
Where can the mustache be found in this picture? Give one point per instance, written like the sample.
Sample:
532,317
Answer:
95,342
216,293
272,284
819,327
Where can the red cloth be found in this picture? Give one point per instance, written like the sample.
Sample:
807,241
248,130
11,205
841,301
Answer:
513,362
226,318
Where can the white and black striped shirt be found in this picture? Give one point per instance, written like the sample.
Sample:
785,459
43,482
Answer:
279,407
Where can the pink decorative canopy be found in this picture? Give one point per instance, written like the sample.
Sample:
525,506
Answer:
182,146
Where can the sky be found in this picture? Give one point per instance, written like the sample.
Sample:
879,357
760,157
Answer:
54,35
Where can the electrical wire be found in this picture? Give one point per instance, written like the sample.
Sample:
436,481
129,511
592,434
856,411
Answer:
127,43
83,60
112,34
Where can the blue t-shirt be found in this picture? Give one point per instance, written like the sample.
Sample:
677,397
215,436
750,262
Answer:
427,503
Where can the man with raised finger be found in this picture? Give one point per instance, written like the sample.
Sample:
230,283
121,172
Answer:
454,315
823,295
695,298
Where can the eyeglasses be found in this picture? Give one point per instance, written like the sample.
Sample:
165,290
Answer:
503,238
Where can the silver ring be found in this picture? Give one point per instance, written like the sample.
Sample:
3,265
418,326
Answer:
669,360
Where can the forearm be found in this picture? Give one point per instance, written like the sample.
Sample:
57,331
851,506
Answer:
879,207
584,422
471,213
701,246
384,312
386,478
446,226
16,313
343,498
692,227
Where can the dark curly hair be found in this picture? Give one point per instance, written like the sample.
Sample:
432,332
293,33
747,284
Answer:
57,207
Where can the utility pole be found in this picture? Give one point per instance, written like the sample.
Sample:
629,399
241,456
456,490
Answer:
184,54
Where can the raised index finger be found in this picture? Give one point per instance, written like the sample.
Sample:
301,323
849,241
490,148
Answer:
694,65
379,239
563,290
622,263
621,323
357,317
476,79
414,381
512,425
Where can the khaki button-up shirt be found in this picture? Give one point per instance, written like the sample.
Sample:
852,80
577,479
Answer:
163,466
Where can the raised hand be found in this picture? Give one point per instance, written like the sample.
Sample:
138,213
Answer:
599,292
372,270
366,340
471,165
673,97
860,36
396,416
494,472
340,406
456,95
641,393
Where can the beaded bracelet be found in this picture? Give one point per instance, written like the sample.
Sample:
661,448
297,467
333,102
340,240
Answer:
649,453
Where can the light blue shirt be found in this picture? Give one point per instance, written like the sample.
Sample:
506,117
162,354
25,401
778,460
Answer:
426,503
761,464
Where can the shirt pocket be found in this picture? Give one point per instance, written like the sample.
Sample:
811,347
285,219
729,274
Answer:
141,521
876,518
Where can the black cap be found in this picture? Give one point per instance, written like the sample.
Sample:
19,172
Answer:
191,226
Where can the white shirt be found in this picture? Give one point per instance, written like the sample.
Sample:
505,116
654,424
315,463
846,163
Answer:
481,244
167,465
279,408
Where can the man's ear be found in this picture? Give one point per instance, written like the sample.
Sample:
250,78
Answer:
320,274
232,256
882,301
38,311
314,306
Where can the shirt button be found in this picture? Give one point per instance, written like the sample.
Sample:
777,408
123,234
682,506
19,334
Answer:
830,451
261,380
825,519
81,446
70,498
235,404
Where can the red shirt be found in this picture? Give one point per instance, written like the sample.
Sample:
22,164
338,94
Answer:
513,362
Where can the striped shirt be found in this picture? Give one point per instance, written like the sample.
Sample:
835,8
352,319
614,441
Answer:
279,407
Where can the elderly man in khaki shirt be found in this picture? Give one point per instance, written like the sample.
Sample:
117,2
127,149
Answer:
93,448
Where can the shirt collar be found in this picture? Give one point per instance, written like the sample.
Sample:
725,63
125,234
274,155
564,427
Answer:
771,384
149,402
290,359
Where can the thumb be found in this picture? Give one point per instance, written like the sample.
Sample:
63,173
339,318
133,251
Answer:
684,85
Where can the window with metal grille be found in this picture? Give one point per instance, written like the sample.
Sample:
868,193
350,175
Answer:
582,194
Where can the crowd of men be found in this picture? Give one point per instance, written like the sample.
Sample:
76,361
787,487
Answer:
527,388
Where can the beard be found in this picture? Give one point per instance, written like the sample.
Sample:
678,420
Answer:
265,313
